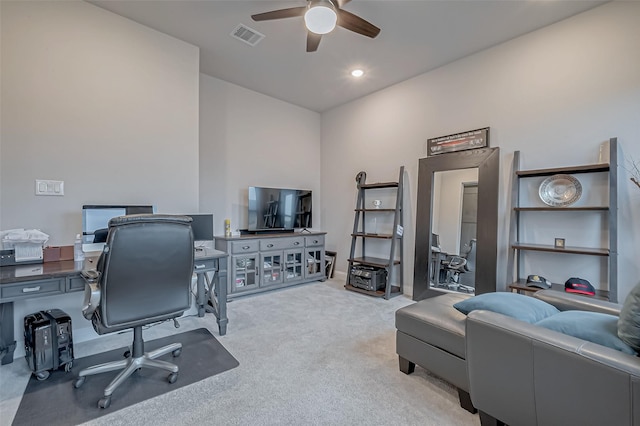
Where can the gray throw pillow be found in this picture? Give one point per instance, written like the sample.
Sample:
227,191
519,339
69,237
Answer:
519,306
593,327
629,321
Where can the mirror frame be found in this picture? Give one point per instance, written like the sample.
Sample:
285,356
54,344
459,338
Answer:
487,160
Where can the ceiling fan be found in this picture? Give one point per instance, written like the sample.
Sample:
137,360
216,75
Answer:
321,17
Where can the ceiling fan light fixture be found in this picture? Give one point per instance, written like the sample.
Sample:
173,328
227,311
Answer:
321,18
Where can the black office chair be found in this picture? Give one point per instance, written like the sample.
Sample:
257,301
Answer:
467,279
142,277
100,235
455,267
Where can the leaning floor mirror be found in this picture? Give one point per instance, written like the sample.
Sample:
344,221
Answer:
457,223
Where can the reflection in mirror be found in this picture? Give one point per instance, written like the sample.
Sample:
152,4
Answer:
455,207
456,223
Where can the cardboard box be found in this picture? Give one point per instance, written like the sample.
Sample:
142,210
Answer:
56,253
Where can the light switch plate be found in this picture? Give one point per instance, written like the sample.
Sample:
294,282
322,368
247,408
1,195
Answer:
49,187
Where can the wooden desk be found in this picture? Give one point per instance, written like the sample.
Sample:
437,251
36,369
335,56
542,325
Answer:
212,296
437,257
23,282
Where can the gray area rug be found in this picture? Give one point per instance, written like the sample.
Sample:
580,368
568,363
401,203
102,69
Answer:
55,401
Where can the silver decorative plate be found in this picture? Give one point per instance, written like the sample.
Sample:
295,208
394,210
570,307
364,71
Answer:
560,190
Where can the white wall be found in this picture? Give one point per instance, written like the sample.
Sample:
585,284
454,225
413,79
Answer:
249,139
106,105
554,94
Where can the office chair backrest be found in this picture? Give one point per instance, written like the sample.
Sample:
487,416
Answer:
471,255
146,266
100,235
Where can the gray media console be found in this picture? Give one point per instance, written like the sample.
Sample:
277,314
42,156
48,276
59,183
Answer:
265,262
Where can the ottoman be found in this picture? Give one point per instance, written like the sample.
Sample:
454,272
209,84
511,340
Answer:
431,333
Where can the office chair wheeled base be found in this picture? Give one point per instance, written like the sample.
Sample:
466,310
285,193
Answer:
136,361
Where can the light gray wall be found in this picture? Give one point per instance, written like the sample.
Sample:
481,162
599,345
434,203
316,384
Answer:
249,139
554,94
106,105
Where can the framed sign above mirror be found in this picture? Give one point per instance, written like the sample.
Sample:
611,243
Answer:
471,139
429,259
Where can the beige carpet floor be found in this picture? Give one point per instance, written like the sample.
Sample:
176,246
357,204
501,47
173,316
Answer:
314,354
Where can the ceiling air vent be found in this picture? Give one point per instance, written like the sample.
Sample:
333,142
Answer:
247,35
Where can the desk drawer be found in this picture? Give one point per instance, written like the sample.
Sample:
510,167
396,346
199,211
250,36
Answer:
32,289
75,283
205,265
249,246
316,240
281,243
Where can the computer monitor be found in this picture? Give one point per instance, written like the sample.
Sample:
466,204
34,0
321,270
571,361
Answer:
95,222
202,226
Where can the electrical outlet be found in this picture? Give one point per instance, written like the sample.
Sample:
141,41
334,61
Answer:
49,187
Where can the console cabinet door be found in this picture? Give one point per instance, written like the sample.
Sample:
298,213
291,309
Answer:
293,265
244,273
271,272
315,261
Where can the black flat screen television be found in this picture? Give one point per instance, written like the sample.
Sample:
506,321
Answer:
279,208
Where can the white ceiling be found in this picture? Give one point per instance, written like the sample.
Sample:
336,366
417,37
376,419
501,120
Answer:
417,36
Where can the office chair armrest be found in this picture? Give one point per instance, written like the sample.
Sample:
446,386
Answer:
454,262
91,299
90,275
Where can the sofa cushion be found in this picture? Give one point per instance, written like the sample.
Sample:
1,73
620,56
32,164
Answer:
590,326
519,306
435,322
629,321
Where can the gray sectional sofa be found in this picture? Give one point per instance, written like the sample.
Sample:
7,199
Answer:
519,373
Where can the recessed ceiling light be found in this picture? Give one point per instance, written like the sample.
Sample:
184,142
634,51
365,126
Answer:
357,73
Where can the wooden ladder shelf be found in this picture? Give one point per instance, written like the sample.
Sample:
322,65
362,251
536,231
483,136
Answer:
391,264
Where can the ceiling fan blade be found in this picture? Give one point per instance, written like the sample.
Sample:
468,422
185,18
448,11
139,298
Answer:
341,3
292,12
313,40
356,24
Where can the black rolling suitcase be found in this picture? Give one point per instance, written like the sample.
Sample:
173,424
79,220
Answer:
48,342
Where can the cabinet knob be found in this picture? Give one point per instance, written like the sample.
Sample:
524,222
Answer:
269,245
245,247
297,243
30,289
315,241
